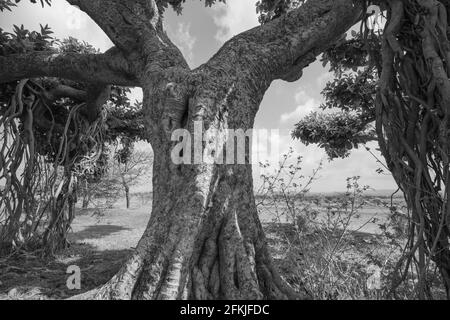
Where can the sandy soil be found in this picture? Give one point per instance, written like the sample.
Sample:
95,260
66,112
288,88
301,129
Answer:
102,242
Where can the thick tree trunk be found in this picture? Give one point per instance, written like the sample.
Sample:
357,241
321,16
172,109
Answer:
206,244
204,239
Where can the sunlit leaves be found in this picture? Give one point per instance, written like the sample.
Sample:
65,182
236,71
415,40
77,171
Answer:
351,92
267,10
337,133
271,9
350,97
76,46
177,5
22,40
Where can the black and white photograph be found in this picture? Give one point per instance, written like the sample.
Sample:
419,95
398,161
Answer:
226,155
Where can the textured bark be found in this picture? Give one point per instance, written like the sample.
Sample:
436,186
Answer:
204,239
107,68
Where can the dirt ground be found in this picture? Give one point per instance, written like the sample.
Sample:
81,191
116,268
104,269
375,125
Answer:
100,244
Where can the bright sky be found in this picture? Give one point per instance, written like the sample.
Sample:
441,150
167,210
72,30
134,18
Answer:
199,33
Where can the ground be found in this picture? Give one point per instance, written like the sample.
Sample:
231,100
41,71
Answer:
102,240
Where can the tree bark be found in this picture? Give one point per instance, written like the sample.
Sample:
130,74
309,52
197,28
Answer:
86,201
107,68
204,239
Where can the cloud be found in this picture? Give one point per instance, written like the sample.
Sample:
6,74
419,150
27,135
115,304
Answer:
273,150
64,19
305,105
332,176
234,17
136,94
183,38
323,79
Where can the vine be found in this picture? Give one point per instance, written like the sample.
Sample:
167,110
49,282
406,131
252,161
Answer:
54,135
412,112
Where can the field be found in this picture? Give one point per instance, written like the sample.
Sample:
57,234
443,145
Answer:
345,245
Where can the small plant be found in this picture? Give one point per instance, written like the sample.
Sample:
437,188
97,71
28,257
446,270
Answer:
330,245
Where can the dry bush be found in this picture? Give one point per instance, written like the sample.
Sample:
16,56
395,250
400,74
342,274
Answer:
322,243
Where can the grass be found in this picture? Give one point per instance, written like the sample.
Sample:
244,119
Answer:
102,240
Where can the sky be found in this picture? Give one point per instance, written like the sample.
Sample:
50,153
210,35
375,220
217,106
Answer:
199,32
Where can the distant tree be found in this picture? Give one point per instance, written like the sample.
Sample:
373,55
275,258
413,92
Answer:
131,167
57,129
101,190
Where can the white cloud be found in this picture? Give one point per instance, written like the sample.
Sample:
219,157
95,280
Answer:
183,38
136,94
234,17
305,105
64,19
332,176
323,79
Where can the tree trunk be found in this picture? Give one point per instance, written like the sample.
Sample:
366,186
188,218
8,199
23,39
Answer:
86,200
127,196
204,239
207,244
86,195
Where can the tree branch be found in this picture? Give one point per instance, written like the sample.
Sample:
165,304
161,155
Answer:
136,29
64,91
280,49
107,68
124,22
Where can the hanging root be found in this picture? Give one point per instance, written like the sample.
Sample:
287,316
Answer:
413,109
45,146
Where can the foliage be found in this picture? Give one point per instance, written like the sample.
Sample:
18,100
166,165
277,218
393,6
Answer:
349,109
404,62
121,173
131,166
9,4
267,9
337,132
43,130
272,9
324,241
412,128
177,5
101,192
